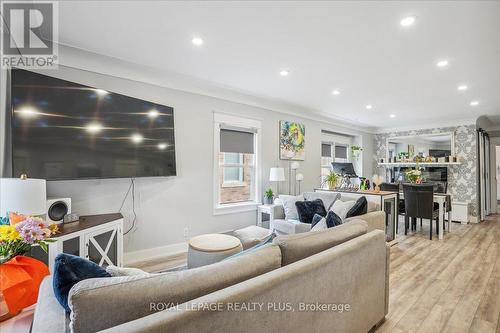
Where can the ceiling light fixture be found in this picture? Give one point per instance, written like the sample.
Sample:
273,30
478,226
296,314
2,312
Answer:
442,63
462,87
93,128
335,92
284,72
369,107
162,146
153,113
197,41
136,138
474,103
407,21
101,92
392,115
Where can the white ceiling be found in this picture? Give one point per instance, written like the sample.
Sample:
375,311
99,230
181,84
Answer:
357,47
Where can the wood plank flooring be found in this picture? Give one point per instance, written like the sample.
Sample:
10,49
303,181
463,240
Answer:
450,285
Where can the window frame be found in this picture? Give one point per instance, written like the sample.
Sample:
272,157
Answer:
255,125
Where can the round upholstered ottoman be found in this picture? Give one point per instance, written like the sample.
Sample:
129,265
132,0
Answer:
211,248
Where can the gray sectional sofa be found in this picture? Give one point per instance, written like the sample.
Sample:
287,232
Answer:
332,280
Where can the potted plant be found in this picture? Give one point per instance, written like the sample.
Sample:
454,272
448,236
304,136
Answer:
331,180
268,196
356,151
402,156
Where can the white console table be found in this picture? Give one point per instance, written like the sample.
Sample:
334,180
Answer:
98,238
386,201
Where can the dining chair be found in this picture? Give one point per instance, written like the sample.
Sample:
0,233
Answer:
419,203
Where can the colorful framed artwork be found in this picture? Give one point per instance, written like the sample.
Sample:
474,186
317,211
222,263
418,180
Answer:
292,141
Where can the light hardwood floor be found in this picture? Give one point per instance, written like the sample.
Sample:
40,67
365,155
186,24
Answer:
450,285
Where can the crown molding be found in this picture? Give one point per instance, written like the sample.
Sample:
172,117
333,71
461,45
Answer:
82,59
434,124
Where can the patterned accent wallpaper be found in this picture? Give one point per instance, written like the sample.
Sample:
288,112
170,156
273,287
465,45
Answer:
462,179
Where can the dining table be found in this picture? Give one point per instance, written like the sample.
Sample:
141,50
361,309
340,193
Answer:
440,199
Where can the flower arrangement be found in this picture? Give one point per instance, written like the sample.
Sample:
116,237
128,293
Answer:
17,239
414,176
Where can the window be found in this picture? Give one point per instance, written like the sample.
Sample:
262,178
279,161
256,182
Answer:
326,159
341,153
232,169
236,171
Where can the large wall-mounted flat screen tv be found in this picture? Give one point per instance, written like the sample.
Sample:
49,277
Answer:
64,130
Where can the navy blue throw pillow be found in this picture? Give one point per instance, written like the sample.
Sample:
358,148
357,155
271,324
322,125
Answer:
359,208
332,219
316,218
307,209
68,271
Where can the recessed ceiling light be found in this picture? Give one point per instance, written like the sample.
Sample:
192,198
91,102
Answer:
369,107
474,103
462,87
335,92
136,138
284,72
197,41
162,146
392,115
153,113
407,21
101,92
442,63
27,112
93,128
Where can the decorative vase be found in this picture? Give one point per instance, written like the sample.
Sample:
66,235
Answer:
377,189
332,185
268,200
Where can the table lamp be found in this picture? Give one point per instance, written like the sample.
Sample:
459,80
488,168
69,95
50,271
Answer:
277,175
23,195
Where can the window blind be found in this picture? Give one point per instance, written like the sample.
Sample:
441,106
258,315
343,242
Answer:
234,141
326,150
341,152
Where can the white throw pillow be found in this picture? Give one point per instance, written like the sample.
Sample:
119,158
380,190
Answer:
341,208
321,225
289,205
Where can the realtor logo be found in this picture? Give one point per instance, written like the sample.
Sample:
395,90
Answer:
29,34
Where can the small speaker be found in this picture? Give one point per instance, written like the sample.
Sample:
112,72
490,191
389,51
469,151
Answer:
57,208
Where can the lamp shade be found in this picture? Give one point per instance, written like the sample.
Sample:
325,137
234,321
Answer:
295,165
299,177
277,175
23,196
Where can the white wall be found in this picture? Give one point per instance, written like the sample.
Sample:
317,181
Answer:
165,206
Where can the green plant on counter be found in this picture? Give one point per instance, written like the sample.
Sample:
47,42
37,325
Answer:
331,180
356,151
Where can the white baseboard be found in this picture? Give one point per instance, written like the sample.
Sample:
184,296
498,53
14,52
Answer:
156,252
